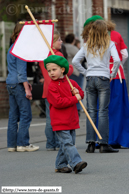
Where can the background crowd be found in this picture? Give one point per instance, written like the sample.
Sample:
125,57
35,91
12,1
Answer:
108,108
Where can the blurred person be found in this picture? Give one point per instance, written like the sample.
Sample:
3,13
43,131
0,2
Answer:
72,49
38,82
77,43
19,100
63,50
79,79
119,103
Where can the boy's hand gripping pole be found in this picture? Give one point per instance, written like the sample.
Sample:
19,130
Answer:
93,125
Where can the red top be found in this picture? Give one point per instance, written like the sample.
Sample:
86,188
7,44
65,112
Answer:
47,79
63,109
120,45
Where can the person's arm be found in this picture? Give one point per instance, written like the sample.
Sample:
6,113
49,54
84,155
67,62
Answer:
59,102
27,90
124,53
76,61
22,70
22,77
116,60
123,50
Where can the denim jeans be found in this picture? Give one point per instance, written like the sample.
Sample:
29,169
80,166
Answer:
20,111
68,153
98,88
52,141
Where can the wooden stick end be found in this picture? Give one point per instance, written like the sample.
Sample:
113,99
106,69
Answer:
26,6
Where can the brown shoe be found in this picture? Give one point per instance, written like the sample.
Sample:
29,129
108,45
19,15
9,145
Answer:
78,168
64,170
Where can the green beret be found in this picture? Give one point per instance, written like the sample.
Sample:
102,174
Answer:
61,61
92,19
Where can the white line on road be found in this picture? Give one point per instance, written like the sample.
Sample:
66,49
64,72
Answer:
37,124
40,124
32,125
1,128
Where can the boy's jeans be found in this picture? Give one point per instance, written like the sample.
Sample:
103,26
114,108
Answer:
98,88
20,111
52,141
68,153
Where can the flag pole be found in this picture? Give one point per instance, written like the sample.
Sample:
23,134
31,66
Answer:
88,116
39,21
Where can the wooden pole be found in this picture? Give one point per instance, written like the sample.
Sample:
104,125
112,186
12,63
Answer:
93,125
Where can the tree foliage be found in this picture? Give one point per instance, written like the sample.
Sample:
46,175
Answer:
14,10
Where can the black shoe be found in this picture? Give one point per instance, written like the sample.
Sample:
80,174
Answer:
116,146
107,149
97,146
91,147
78,168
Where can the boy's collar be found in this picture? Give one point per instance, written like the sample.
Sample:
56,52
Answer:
60,79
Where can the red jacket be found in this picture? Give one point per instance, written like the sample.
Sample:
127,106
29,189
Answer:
63,110
47,79
120,45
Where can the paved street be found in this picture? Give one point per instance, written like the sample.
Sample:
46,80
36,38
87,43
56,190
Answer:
37,130
105,173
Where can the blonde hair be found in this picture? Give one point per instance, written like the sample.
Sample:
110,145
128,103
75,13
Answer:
98,38
86,30
110,25
56,36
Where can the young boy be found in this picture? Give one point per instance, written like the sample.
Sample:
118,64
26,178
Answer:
63,113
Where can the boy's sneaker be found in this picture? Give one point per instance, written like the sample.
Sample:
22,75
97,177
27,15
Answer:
64,170
29,148
78,168
11,149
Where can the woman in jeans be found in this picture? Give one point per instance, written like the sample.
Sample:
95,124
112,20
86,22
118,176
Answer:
19,100
97,51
